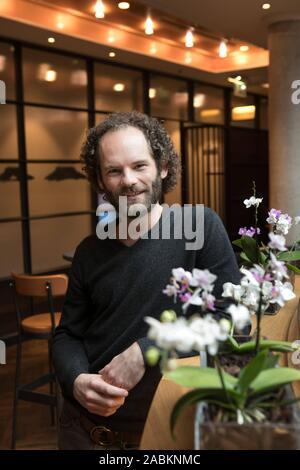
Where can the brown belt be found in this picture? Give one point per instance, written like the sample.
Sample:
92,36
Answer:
103,436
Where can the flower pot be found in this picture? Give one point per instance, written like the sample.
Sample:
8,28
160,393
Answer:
212,435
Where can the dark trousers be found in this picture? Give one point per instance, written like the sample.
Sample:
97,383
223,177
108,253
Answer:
72,436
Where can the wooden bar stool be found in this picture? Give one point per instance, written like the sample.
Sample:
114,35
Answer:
37,326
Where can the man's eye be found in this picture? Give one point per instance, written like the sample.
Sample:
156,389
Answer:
113,172
142,165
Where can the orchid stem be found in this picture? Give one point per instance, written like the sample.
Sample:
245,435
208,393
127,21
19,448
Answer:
220,372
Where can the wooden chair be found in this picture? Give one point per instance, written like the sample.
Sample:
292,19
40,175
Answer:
37,326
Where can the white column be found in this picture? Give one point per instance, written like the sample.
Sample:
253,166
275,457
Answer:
284,118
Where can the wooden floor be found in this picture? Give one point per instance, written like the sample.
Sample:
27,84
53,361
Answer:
34,423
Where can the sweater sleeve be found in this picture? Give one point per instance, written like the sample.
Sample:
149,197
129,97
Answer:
69,354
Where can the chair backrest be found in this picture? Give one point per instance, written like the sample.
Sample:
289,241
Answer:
36,286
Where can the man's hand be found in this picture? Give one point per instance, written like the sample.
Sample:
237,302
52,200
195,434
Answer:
126,369
97,396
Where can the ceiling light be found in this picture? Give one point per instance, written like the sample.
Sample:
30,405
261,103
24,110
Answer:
111,38
51,40
266,6
189,38
265,85
238,77
50,76
112,54
99,9
124,5
152,93
119,87
223,49
149,27
244,48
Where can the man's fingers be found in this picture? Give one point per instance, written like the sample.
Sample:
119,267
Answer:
105,388
93,398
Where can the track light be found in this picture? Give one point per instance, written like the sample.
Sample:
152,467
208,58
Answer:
99,9
149,27
223,49
189,38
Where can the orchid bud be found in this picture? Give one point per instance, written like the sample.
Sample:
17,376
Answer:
168,316
225,324
152,356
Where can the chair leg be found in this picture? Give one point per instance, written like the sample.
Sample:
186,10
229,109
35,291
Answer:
15,403
51,388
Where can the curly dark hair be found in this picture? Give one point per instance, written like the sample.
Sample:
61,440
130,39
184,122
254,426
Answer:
159,142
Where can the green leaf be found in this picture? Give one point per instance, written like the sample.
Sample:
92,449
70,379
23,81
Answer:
237,242
272,345
250,248
244,257
274,378
293,268
196,396
200,377
230,345
251,371
289,255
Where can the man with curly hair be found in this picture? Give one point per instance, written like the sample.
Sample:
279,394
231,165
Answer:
99,347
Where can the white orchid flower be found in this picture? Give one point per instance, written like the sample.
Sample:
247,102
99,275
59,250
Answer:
277,242
240,315
253,201
234,291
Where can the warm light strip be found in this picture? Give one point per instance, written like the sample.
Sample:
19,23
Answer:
210,113
85,28
243,113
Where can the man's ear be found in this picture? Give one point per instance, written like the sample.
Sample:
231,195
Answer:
164,172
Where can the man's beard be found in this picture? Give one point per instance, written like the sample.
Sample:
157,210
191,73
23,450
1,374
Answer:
151,197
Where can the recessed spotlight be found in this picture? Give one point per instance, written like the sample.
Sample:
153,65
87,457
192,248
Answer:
124,5
238,77
112,54
244,48
51,40
266,6
119,87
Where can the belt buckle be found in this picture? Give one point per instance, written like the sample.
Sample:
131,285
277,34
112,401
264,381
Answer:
102,436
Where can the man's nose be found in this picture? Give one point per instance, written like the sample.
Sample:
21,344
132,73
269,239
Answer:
129,178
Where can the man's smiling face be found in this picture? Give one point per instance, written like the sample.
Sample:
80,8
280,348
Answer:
128,168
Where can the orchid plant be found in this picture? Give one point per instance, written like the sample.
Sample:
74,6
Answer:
258,387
